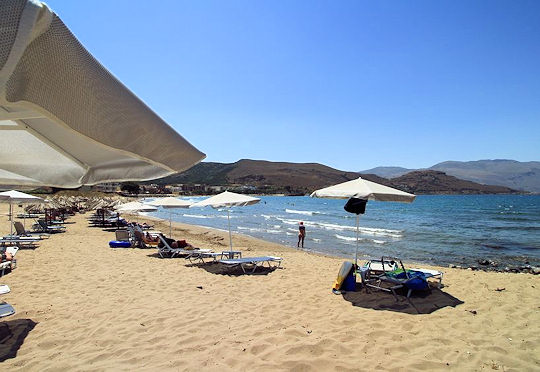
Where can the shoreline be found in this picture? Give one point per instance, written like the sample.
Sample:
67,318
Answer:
487,267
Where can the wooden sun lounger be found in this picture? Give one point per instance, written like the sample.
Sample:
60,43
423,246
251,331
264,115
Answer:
252,262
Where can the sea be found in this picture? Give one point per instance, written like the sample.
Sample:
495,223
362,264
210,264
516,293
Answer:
434,229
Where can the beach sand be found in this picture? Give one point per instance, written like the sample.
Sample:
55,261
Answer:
84,306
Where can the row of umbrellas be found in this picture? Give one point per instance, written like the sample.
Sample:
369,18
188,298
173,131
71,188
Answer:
358,191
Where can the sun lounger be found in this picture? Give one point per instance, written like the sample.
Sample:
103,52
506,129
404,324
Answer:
6,309
22,242
43,227
4,289
429,273
21,231
9,265
252,262
391,281
167,250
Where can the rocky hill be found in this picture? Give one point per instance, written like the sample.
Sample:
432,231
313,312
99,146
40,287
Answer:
510,173
435,182
302,178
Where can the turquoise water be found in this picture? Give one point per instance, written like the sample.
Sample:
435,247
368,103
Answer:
438,229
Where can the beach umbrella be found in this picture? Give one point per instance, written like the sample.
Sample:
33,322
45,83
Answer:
359,191
134,207
170,203
17,197
66,121
227,200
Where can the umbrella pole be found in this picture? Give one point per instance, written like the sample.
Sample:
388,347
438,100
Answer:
11,218
170,224
230,235
357,233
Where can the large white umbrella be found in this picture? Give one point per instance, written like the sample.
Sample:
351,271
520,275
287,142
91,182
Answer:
227,200
134,207
364,190
170,203
66,121
17,197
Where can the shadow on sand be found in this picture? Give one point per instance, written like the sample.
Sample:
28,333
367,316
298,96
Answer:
12,335
420,302
220,269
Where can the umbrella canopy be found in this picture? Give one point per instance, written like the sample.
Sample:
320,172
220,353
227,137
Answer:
359,191
133,207
363,189
227,199
170,203
17,197
65,121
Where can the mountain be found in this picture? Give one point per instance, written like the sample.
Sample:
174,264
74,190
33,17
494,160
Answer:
275,176
302,178
388,172
436,182
510,173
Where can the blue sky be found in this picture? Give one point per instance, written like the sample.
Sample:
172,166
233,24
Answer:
349,84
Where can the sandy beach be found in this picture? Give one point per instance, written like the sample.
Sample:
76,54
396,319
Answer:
84,306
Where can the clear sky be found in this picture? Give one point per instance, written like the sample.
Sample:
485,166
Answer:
349,84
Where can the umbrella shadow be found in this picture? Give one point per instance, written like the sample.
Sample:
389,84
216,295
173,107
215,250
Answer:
12,336
221,269
420,302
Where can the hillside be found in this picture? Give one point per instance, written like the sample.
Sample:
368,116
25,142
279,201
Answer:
301,178
435,182
510,173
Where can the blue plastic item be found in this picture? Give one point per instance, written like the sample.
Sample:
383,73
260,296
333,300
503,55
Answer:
119,244
349,284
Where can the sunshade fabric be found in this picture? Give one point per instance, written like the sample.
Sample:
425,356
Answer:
15,197
227,199
170,202
65,121
363,189
135,207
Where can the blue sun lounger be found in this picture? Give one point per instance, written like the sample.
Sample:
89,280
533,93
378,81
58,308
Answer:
252,262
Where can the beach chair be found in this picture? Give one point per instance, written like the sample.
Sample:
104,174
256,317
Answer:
51,229
167,251
19,241
9,265
6,309
430,273
21,231
391,281
250,264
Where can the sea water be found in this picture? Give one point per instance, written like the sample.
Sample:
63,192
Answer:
437,229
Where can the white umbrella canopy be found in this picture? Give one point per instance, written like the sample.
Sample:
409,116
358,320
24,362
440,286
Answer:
227,199
170,203
17,197
133,207
65,121
365,190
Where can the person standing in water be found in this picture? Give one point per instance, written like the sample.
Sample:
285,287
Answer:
301,234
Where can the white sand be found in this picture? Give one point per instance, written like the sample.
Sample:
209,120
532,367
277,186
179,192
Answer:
98,308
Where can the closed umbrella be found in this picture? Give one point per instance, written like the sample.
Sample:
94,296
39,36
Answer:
227,200
17,197
359,191
65,120
170,203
